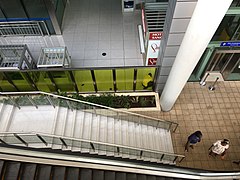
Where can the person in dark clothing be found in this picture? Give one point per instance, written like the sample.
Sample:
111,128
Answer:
193,139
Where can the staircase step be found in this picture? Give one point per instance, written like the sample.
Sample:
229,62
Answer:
95,131
117,135
110,136
6,117
78,131
103,135
87,132
132,140
145,143
138,134
125,140
59,127
69,128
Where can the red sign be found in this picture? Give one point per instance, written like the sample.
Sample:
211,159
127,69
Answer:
155,35
152,61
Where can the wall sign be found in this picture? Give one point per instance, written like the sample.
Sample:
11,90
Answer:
230,44
153,47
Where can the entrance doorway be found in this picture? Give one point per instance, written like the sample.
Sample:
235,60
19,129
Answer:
225,62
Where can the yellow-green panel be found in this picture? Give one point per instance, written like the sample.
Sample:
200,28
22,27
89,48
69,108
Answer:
5,85
104,80
42,81
20,81
141,72
63,81
84,80
124,79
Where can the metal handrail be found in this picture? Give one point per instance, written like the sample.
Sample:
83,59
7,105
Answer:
19,136
20,25
170,123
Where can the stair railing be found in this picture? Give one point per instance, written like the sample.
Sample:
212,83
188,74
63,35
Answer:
29,139
23,28
19,99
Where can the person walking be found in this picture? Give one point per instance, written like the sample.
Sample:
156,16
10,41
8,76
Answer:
219,148
193,139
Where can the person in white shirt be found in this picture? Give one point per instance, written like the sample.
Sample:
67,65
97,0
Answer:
219,148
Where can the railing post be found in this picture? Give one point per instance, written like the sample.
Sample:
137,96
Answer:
118,150
64,143
41,138
50,101
157,125
212,87
170,125
2,141
203,81
182,159
92,146
32,102
69,105
175,128
162,157
141,153
175,159
20,139
14,102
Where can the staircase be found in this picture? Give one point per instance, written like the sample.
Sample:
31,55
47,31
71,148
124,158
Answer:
85,130
12,170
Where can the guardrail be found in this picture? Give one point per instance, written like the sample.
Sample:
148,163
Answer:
23,28
29,139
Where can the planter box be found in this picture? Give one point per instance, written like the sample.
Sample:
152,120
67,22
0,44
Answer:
154,107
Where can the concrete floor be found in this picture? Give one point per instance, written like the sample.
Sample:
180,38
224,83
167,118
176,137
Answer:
93,27
216,114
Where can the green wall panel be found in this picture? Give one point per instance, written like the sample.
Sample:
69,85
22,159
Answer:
104,80
141,72
83,80
52,81
124,79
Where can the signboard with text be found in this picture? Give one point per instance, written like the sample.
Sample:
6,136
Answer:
153,47
230,44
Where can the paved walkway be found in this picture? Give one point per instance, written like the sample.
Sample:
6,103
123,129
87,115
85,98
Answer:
216,114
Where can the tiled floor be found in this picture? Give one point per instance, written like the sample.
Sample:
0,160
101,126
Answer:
216,114
93,27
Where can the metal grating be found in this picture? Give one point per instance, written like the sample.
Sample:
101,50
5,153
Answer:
155,14
20,28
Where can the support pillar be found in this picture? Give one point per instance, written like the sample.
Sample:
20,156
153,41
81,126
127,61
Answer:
204,22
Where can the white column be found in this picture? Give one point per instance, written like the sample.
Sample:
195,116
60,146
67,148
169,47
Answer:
205,20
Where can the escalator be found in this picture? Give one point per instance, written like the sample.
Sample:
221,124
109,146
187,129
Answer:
13,170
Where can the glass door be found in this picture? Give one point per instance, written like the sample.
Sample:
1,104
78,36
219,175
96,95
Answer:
224,62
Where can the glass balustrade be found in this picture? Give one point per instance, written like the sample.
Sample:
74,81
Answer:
36,99
24,139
